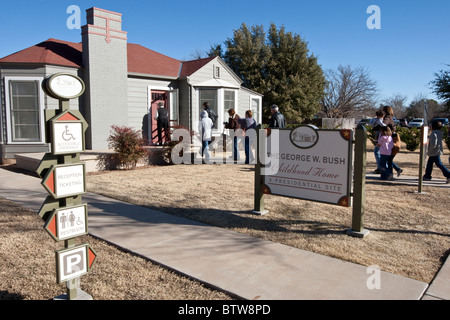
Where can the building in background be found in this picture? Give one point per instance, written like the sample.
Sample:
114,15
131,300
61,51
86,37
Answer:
124,84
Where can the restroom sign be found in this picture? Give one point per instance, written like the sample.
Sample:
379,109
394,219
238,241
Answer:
74,262
67,223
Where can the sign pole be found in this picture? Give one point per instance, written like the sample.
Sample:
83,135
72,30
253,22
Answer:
423,143
60,170
260,153
359,187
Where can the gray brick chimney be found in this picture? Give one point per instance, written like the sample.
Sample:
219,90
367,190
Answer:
106,71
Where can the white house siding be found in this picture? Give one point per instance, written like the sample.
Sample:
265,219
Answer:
8,150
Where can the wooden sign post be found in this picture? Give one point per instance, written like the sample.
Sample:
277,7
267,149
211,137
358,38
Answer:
64,178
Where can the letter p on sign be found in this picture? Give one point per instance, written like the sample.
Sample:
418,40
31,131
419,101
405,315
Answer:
74,262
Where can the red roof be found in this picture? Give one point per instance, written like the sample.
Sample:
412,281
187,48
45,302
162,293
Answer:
52,51
140,59
143,60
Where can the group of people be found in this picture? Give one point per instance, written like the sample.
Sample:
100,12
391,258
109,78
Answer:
388,145
207,122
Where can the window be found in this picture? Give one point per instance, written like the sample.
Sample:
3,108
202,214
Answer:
24,114
209,95
216,72
229,100
255,105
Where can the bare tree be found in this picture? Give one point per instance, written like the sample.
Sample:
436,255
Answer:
398,103
348,92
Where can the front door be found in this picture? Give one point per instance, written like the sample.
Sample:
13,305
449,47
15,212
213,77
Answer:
157,97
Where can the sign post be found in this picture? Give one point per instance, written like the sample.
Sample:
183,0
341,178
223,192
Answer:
423,144
313,164
64,178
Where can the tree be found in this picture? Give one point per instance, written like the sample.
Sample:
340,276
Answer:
441,86
398,103
348,91
279,66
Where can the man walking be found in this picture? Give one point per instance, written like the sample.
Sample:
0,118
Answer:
277,120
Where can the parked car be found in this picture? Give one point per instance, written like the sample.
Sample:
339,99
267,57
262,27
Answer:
417,122
403,122
365,121
444,121
396,121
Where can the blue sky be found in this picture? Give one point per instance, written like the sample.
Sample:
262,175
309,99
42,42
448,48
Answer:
412,44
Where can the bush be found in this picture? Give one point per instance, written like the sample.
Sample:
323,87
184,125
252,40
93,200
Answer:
128,145
411,137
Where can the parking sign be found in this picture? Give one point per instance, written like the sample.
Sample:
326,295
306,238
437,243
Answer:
74,262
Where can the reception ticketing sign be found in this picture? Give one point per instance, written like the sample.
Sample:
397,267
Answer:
311,164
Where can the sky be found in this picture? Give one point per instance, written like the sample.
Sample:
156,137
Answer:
411,41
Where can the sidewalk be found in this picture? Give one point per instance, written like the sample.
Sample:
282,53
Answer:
247,267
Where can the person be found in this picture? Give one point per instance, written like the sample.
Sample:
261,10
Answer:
162,122
435,150
377,124
248,124
385,143
389,121
211,113
233,124
277,120
205,130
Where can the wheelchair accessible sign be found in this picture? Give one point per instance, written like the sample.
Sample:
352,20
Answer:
68,134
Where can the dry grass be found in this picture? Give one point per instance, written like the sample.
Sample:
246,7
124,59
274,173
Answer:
410,233
27,267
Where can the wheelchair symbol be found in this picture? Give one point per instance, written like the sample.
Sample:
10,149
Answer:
66,135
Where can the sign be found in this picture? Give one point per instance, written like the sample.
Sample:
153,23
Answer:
67,137
65,180
74,262
68,132
67,223
311,164
64,86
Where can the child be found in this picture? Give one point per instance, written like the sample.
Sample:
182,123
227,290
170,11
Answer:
386,143
435,150
377,124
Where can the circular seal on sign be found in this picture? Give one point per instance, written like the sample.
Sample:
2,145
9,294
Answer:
64,86
305,137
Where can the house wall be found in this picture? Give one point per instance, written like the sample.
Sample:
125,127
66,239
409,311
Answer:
139,100
7,149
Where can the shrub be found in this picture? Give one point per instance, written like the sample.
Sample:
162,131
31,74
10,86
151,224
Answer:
128,145
411,137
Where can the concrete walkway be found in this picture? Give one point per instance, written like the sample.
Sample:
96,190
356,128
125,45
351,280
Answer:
248,267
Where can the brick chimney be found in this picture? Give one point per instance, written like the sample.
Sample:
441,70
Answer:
106,72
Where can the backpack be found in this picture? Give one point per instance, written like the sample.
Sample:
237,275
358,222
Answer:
212,115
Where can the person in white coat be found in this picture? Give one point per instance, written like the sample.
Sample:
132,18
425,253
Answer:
205,131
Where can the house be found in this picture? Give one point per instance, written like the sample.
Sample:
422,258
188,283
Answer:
124,84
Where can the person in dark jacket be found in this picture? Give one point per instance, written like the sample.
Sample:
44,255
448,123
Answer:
277,120
162,121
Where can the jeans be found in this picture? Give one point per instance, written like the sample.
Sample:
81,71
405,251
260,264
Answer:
429,169
236,154
205,150
248,151
386,166
377,154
